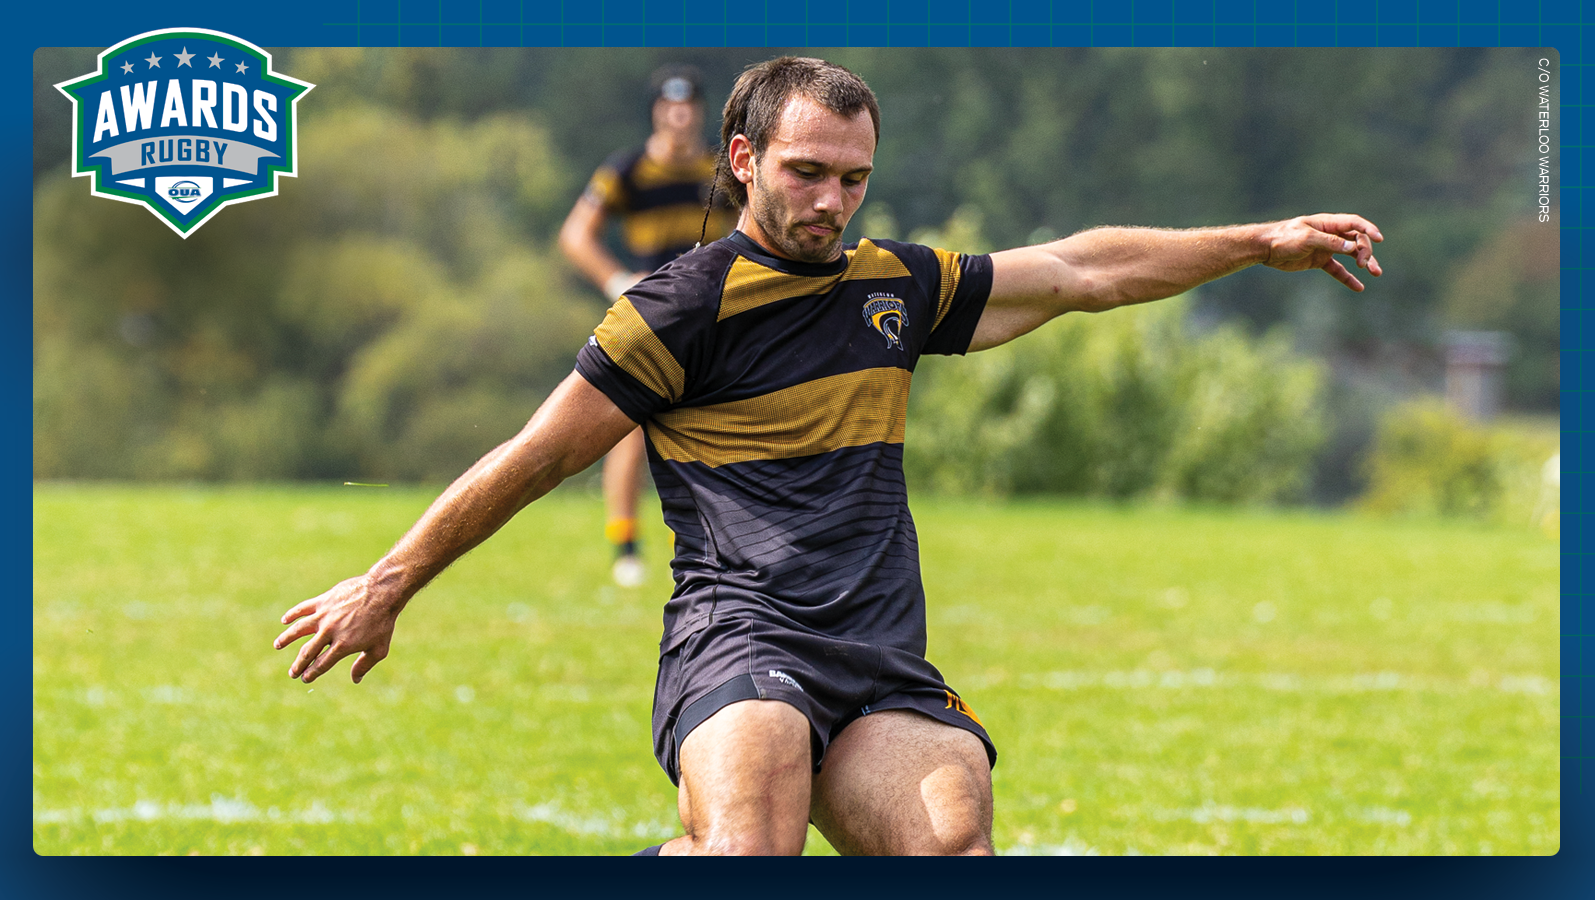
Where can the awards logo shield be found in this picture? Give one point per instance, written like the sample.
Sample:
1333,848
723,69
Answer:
184,121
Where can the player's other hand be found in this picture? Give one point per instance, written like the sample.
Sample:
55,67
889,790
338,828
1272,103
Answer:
621,282
1313,242
351,618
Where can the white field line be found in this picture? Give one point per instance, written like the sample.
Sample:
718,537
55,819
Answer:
613,824
1289,814
1212,812
1383,815
1293,815
1148,679
1070,847
220,809
1209,812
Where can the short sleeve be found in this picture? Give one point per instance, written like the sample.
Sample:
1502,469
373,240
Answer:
960,300
641,354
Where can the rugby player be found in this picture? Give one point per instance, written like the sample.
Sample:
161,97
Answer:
770,370
658,194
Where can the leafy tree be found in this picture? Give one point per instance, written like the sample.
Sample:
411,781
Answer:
387,316
399,307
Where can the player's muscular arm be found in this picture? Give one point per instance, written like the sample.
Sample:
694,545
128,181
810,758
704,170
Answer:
575,426
1106,268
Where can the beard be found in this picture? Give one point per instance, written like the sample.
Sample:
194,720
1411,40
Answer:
786,232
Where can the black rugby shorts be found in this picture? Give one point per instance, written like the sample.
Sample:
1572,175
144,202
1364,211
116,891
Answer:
830,681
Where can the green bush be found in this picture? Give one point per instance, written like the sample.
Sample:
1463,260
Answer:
1121,405
1429,460
461,373
391,315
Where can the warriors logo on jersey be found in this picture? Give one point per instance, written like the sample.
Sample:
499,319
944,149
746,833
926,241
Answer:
888,315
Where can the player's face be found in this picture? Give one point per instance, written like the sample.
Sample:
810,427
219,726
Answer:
808,182
678,117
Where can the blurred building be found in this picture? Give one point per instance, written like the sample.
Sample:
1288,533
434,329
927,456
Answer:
1474,363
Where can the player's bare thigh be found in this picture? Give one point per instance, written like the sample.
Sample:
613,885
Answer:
746,775
900,783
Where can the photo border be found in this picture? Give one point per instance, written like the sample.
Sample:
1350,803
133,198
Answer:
1147,23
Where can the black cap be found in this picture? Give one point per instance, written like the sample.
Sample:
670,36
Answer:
677,83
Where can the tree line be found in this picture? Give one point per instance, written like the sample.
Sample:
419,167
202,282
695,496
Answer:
400,307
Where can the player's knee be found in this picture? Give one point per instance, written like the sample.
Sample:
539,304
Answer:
971,842
967,833
959,806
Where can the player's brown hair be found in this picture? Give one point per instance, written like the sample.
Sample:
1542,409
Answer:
762,92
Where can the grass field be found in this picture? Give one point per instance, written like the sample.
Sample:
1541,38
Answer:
1158,681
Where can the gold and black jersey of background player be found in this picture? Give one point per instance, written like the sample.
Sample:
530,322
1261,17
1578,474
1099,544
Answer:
660,207
774,397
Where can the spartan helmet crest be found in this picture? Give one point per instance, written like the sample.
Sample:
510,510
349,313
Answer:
889,316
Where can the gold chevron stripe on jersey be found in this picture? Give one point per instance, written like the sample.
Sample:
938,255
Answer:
951,271
750,285
633,346
808,419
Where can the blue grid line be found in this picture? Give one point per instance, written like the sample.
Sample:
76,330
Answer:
1098,32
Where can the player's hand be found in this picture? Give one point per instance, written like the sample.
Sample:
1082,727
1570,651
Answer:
348,619
1313,242
621,282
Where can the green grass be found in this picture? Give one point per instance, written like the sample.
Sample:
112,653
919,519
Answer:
1157,680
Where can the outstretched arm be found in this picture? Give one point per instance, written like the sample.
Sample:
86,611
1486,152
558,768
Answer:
1105,268
575,426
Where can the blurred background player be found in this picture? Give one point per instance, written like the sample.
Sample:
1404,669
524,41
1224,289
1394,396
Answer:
658,194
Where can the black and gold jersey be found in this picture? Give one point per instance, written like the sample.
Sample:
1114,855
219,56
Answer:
660,207
774,396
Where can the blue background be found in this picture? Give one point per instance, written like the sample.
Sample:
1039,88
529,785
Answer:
1146,23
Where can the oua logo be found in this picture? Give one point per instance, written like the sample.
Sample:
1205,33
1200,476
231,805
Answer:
185,122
